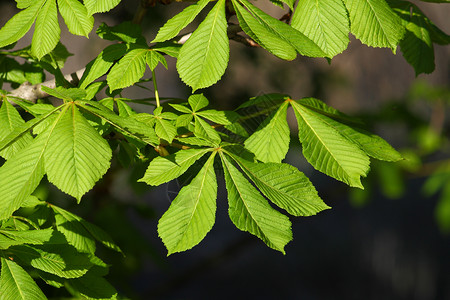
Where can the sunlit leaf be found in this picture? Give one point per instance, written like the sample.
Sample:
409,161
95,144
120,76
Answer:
192,214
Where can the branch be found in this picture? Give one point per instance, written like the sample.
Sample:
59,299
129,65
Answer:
32,92
233,30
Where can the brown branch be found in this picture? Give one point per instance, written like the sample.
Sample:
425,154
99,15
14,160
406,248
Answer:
32,92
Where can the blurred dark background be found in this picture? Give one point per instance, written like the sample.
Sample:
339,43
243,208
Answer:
390,241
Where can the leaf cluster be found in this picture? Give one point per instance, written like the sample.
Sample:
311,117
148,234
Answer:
74,141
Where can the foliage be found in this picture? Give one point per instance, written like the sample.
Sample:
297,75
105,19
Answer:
72,143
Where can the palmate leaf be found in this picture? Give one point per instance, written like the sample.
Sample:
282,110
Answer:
192,214
99,6
18,25
77,156
179,21
385,26
270,142
58,259
204,57
46,31
16,284
262,35
10,119
327,150
249,211
285,186
325,22
164,169
295,38
75,15
128,70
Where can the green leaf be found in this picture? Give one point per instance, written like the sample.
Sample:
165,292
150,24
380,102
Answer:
417,45
179,21
192,214
13,237
80,233
249,211
164,169
100,235
165,130
219,117
93,287
204,130
21,174
93,89
11,71
100,6
9,120
371,144
18,25
270,142
65,94
21,4
46,31
263,35
285,186
127,32
124,109
128,70
204,57
56,59
75,233
153,58
15,283
322,108
386,29
197,102
169,48
61,260
104,61
128,126
327,150
195,141
325,22
295,38
265,101
20,130
181,108
77,156
75,15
